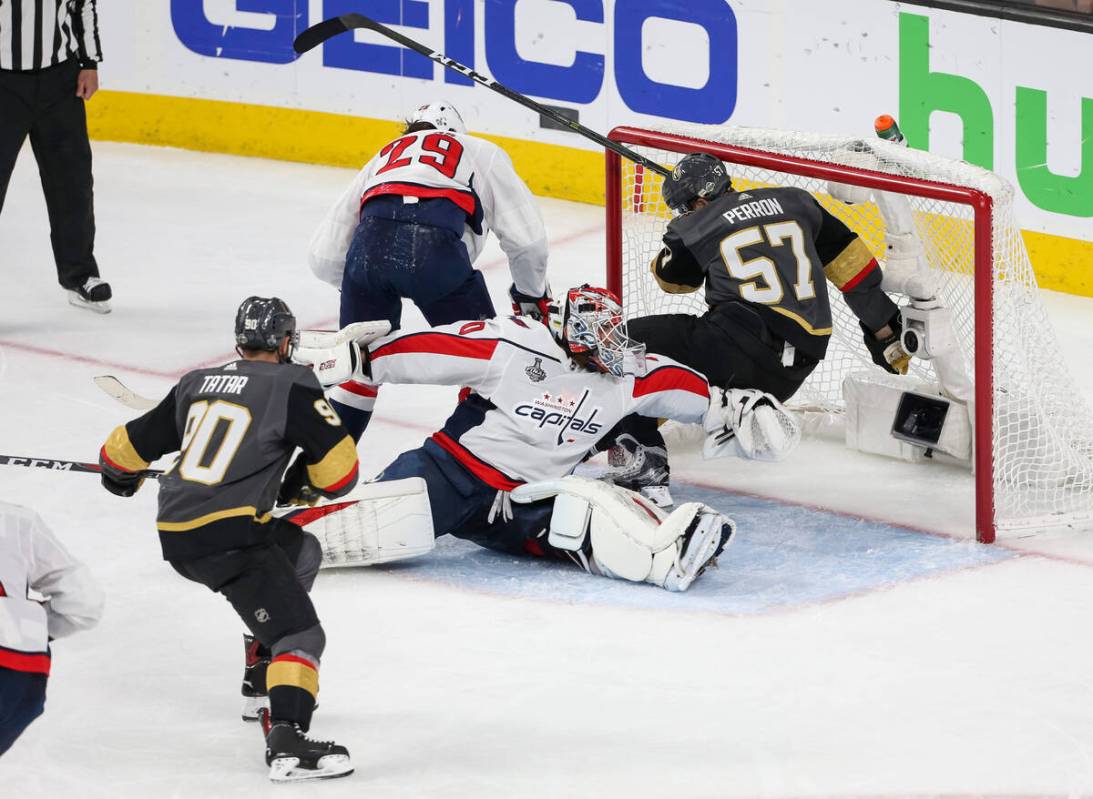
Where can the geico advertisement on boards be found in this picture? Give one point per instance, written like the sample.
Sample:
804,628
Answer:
1008,96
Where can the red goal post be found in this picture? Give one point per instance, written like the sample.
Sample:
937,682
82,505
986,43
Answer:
979,202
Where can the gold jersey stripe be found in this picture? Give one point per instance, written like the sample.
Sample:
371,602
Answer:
335,465
814,331
292,673
848,264
121,452
670,288
208,518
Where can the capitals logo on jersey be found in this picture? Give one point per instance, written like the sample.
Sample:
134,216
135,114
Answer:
562,412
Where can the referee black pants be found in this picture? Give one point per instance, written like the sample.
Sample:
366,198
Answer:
43,105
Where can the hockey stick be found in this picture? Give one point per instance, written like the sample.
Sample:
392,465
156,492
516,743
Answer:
123,394
64,466
319,33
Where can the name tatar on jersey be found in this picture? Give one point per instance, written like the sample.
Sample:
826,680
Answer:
223,384
756,208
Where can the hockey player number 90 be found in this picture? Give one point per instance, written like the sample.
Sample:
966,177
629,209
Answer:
224,421
761,274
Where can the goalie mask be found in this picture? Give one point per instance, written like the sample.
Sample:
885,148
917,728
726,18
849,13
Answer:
697,175
440,115
590,325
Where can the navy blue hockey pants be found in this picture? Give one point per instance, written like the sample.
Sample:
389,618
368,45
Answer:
22,700
413,251
460,504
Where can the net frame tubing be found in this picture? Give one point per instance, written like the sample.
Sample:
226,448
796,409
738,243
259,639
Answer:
983,233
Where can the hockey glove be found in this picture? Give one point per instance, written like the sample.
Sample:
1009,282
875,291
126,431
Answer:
887,351
296,487
534,307
118,481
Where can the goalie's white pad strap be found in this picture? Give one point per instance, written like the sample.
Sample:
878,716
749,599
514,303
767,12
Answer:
374,523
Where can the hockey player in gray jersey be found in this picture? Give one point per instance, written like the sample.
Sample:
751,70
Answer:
765,257
235,428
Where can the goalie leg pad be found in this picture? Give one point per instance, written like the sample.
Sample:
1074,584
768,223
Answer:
375,523
630,538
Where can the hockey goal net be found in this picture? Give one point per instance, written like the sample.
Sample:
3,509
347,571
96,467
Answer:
1033,451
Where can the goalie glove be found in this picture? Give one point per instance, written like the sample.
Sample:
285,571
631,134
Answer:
887,351
336,357
536,308
748,423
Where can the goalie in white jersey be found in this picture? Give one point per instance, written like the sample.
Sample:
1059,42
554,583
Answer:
411,224
498,471
45,593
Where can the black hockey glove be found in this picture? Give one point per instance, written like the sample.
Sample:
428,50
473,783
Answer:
118,481
887,351
533,307
296,487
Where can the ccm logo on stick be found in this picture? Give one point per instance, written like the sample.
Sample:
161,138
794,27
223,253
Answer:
263,30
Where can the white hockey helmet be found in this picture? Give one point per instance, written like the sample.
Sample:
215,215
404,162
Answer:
441,115
589,323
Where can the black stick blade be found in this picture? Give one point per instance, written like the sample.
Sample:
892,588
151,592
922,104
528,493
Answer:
319,33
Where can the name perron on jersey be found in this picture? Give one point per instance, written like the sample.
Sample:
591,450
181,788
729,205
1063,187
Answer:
534,414
775,249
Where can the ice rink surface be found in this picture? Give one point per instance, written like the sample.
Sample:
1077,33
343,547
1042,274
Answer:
855,641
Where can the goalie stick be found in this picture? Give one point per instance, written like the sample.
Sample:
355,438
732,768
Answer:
329,28
64,466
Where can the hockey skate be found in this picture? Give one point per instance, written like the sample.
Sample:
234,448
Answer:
94,295
253,689
292,756
706,538
639,468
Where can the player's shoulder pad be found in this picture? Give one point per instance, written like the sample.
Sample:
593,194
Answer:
663,373
529,334
298,374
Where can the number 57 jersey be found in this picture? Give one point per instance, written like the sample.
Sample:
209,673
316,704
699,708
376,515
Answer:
235,428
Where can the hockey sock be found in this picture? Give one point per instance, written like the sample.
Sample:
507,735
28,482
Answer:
293,683
256,663
354,419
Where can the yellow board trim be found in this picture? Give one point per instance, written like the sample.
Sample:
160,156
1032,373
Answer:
813,331
848,264
315,137
296,675
208,518
551,170
120,451
335,465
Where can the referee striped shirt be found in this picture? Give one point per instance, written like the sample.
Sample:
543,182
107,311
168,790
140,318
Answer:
35,34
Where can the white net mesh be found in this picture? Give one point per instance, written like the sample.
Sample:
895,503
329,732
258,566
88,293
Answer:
1043,444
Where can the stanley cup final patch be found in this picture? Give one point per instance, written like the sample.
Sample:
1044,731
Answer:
535,372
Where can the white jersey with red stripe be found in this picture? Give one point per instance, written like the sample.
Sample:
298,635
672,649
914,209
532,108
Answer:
33,560
473,173
535,413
